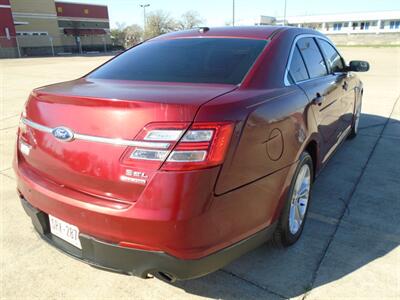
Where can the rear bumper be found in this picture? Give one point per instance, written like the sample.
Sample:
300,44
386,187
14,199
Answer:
141,263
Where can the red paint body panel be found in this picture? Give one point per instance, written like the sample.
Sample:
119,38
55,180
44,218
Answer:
187,214
6,21
106,109
75,10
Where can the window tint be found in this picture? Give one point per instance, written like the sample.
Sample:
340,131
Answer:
312,56
297,69
205,60
334,60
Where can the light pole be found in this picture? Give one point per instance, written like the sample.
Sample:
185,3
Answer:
144,15
233,12
284,14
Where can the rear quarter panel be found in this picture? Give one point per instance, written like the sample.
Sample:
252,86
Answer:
271,128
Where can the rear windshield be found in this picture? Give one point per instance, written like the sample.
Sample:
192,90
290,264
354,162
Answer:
193,60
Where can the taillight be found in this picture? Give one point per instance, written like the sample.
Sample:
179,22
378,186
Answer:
203,145
175,147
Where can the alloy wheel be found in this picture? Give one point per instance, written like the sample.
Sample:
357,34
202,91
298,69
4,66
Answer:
300,199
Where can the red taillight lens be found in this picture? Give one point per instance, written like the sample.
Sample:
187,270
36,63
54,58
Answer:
204,145
172,146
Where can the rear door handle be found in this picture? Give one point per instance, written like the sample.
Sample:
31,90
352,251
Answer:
318,99
345,86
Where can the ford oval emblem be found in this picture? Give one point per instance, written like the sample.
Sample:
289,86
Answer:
63,134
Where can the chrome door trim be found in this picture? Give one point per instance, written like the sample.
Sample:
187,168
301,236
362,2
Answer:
99,139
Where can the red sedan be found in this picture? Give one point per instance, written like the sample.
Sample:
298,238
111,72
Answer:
188,150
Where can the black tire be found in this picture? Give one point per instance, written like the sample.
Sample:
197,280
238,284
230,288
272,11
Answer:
283,237
355,123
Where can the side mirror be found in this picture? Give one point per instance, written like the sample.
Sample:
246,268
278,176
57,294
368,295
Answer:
358,66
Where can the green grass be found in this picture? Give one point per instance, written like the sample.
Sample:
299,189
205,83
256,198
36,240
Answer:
368,46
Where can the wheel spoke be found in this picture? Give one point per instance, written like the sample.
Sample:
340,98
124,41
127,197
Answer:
299,201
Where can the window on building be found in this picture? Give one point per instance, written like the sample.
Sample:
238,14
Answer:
297,69
374,23
334,59
313,58
59,9
366,25
382,25
355,25
337,26
86,11
362,25
397,25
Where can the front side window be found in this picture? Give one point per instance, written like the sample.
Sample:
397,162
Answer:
190,60
313,58
333,57
297,69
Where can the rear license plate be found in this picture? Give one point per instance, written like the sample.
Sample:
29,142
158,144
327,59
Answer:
65,231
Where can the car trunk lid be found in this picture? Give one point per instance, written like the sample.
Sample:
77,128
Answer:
111,111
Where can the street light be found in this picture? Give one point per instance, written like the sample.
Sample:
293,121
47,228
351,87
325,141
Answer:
233,12
144,14
284,14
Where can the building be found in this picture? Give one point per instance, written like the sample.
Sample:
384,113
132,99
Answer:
7,29
350,23
48,27
366,28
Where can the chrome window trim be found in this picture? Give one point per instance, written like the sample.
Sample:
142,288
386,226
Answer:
98,139
300,36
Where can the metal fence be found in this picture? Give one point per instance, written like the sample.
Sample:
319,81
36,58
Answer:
46,45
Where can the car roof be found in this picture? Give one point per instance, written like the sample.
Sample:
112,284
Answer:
252,32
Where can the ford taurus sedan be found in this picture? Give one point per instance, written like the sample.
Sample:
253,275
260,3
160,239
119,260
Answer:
186,151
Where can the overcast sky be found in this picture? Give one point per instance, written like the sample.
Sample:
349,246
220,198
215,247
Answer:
218,12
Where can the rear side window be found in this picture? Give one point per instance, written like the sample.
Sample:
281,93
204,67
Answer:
313,58
333,57
297,69
191,60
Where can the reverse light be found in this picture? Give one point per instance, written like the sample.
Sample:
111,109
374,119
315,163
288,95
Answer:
163,135
187,156
198,136
148,154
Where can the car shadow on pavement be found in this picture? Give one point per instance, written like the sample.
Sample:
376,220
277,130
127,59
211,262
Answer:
352,221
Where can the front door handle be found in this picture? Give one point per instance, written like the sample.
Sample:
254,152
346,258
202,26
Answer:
318,99
345,86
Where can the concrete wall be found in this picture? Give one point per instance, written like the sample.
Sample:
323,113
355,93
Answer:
40,16
366,39
34,6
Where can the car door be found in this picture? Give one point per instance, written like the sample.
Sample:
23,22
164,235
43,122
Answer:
323,91
344,80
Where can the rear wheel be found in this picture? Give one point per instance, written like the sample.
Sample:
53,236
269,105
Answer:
294,213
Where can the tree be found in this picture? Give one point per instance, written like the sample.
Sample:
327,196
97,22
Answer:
118,34
133,35
189,20
159,22
126,36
